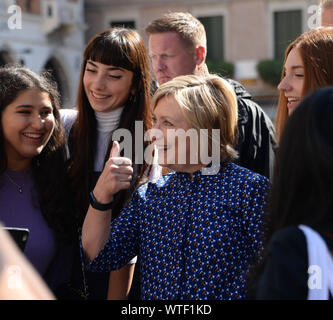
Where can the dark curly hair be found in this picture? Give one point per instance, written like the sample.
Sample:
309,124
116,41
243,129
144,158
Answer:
49,169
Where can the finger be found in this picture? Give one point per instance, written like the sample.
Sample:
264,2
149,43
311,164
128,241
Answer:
115,149
125,178
123,185
122,161
125,170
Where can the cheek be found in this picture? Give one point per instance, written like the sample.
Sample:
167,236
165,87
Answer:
300,87
50,125
86,81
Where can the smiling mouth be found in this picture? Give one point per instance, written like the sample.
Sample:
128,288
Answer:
99,96
37,137
293,99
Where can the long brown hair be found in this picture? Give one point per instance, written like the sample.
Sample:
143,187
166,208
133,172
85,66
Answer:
316,50
123,48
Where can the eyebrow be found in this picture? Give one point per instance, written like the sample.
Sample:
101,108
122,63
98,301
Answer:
297,67
31,107
109,68
168,118
294,67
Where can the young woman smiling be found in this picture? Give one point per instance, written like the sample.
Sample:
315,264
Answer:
307,66
114,92
31,195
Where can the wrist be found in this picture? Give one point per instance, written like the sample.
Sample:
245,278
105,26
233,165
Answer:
98,203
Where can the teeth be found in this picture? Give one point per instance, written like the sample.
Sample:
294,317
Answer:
98,96
33,135
292,99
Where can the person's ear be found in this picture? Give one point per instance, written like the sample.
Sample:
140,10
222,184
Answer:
200,55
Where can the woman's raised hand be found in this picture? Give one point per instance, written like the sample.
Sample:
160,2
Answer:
116,176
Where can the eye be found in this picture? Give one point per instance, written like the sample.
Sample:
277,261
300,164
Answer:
114,76
45,113
24,111
90,70
167,123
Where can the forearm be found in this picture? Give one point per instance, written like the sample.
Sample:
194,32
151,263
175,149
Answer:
120,282
116,176
95,231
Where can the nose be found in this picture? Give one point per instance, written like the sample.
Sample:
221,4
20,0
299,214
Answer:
160,65
38,122
155,133
98,83
284,85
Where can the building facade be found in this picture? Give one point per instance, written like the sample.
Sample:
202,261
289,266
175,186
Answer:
242,32
45,35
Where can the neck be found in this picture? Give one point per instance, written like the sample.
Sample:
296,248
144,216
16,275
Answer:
18,165
191,168
108,121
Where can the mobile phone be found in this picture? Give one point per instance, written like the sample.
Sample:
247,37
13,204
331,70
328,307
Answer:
19,235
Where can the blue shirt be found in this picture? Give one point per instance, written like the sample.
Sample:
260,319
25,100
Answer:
196,235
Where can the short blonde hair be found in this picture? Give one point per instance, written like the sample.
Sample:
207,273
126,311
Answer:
207,102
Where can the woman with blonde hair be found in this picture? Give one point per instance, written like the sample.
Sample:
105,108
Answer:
197,229
307,66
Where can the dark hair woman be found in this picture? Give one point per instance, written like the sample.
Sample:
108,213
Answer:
114,93
33,176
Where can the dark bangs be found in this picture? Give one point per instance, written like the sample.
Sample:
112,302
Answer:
110,48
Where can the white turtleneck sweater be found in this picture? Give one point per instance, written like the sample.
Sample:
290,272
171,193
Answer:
107,122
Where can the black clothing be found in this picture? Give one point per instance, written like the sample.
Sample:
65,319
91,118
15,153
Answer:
285,275
256,134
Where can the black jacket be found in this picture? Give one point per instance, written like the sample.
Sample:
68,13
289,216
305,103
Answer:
256,143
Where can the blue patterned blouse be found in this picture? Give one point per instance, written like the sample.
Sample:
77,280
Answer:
196,235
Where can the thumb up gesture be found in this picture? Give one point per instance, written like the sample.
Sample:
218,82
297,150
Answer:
116,176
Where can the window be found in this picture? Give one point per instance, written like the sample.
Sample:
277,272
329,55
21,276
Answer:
125,24
287,27
214,26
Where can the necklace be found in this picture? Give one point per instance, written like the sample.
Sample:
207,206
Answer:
19,188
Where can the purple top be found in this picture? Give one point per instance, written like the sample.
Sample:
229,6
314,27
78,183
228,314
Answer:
21,210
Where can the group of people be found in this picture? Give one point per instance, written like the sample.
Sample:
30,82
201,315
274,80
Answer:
105,224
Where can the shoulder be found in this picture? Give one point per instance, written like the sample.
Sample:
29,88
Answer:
285,274
245,176
249,109
288,240
68,116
